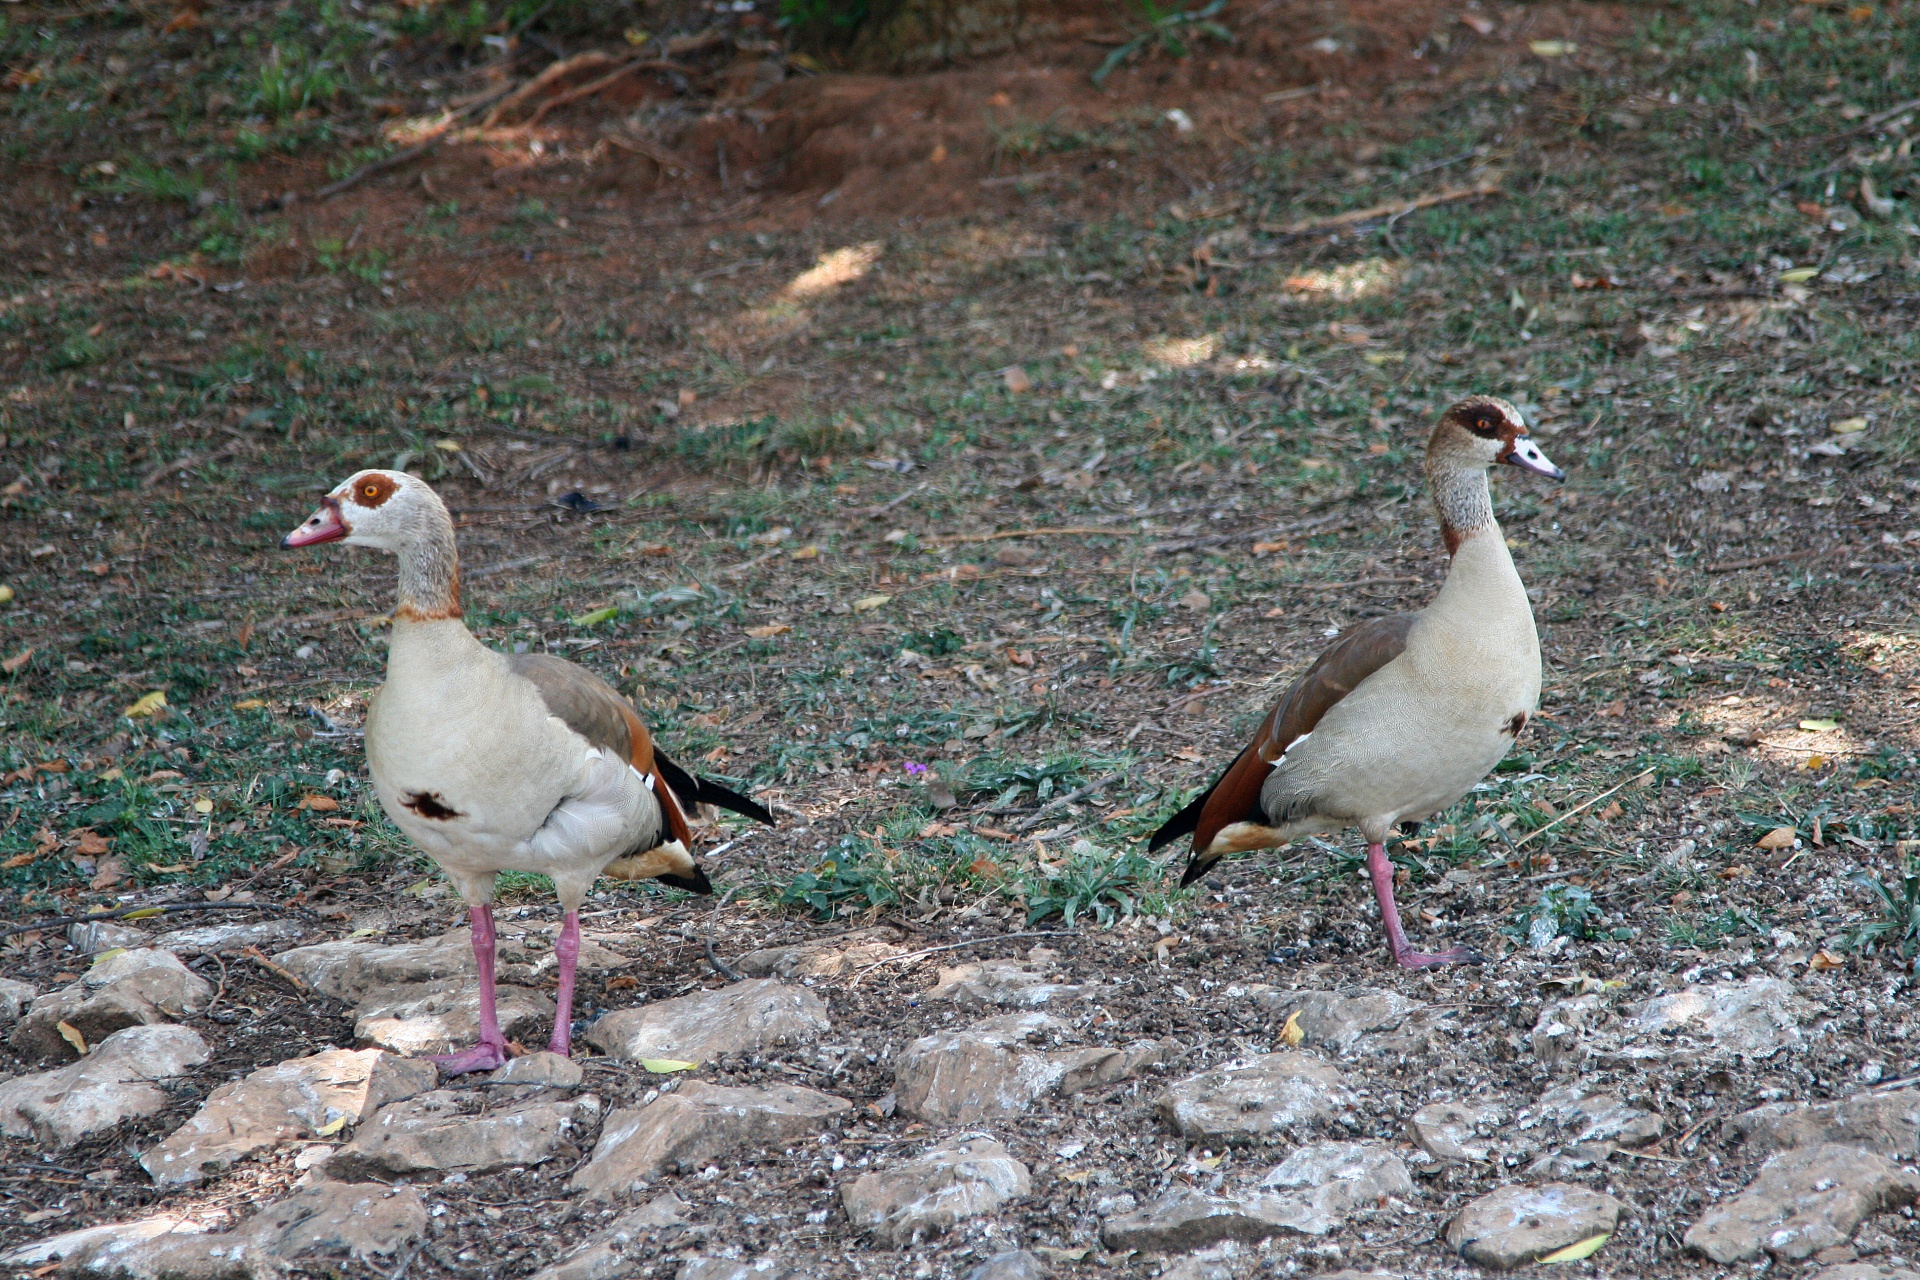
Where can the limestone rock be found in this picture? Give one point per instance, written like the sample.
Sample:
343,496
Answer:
1187,1218
1019,984
988,1071
156,976
1256,1100
697,1123
602,1257
1754,1018
1516,1225
765,1268
265,934
1319,1186
1456,1131
1888,1123
746,1017
1596,1117
1803,1201
1338,1020
14,999
448,1129
543,1069
90,937
350,970
818,960
1865,1271
961,1178
1014,1264
1204,1265
441,1017
105,1242
297,1099
121,990
116,1082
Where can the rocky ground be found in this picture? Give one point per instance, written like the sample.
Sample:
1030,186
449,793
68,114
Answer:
857,1104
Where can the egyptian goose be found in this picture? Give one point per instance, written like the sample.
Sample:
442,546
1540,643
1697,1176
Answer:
494,762
1401,715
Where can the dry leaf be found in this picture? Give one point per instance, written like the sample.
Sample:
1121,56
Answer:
71,1034
317,803
666,1066
1017,380
1552,49
1481,24
1819,726
1584,1249
203,805
1268,548
1291,1034
17,661
866,604
1611,812
769,631
1020,657
147,705
108,873
1778,838
331,1127
17,860
91,843
248,704
808,552
1823,960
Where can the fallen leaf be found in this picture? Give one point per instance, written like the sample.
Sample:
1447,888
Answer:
1481,24
1553,49
769,631
1819,726
1078,1175
203,805
866,604
1611,812
146,705
1814,763
17,661
937,830
1016,379
248,704
1823,960
1778,838
1848,426
91,843
595,617
71,1034
625,982
18,860
808,552
6,594
1584,1249
1268,548
653,549
317,803
331,1127
666,1066
1291,1034
171,870
108,873
1800,275
1020,657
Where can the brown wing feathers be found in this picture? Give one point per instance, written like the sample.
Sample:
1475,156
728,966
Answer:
1235,797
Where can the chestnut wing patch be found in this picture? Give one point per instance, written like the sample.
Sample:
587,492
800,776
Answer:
1235,797
428,804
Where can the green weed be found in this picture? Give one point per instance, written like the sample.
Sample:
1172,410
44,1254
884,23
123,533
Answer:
1088,881
1897,929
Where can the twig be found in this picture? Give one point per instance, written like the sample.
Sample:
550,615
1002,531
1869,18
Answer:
1221,539
874,513
394,161
956,946
1078,793
1396,209
554,71
1356,582
1578,809
259,957
592,87
1074,532
1757,562
719,966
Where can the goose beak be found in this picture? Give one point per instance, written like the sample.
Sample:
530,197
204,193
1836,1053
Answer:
1526,455
323,525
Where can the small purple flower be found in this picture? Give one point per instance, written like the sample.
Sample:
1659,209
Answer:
913,767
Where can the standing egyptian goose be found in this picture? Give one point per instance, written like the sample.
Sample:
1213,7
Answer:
1401,715
494,762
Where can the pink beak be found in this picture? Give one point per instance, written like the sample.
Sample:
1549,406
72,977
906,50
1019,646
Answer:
323,525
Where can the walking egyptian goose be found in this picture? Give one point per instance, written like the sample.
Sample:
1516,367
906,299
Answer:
494,762
1401,715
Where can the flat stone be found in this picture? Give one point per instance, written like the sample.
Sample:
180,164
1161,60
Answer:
1256,1100
1803,1201
1198,1267
1014,1264
125,989
295,1100
156,976
89,937
1455,1131
441,1017
1865,1271
746,1017
350,970
816,959
695,1124
1338,1020
265,934
14,999
116,1082
990,1070
1595,1117
326,1218
1187,1218
766,1268
959,1179
603,1256
1018,984
455,1129
1755,1018
1888,1123
1320,1186
1516,1225
547,1070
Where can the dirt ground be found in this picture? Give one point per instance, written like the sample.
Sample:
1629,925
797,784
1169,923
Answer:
1031,432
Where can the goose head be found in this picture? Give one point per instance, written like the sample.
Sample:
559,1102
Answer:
1484,431
385,510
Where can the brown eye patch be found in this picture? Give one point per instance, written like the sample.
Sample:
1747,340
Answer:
373,490
1483,421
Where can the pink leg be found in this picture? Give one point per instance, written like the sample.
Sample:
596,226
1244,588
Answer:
491,1052
566,950
1380,868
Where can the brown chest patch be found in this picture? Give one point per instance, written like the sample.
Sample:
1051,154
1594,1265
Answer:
1513,727
429,805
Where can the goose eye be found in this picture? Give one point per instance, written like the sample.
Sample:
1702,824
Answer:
371,491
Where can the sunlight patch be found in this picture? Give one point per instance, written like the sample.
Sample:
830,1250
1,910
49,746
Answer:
1366,278
834,269
1181,353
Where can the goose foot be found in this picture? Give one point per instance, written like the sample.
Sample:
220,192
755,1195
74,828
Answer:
482,1057
1380,871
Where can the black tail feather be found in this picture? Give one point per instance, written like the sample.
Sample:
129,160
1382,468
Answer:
692,790
1181,823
